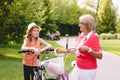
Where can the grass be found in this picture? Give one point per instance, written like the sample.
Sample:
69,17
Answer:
11,61
11,69
112,46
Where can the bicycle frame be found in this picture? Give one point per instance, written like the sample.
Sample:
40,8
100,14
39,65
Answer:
39,73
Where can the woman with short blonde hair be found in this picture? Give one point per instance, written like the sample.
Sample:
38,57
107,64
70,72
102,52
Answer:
89,21
87,50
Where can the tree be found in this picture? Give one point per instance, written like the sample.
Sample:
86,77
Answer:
73,12
67,11
23,12
106,17
93,5
118,25
4,13
50,21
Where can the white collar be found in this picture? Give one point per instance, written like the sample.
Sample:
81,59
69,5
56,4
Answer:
88,35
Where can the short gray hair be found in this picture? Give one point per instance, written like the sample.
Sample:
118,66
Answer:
89,21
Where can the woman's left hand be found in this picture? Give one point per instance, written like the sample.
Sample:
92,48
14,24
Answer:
59,50
83,48
37,51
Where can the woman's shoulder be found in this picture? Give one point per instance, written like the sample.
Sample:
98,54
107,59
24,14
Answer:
95,35
40,39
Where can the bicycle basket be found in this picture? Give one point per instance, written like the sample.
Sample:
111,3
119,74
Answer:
55,66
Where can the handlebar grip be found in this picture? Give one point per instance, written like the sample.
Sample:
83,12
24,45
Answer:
25,51
48,50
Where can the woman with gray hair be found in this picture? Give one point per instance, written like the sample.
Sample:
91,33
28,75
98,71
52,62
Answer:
87,49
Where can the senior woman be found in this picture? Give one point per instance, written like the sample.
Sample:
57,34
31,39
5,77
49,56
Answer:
87,49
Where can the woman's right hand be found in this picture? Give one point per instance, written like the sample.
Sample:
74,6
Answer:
36,51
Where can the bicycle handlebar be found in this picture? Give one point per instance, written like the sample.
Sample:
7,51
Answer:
30,51
46,51
25,51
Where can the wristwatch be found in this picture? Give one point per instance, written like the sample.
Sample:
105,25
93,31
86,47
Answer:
90,50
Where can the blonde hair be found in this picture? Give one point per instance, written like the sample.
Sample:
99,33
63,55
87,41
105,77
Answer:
89,21
28,33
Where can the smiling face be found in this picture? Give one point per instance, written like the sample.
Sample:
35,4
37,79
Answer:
35,32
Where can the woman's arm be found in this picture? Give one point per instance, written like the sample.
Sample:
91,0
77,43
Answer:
91,51
46,45
72,50
96,54
33,49
24,46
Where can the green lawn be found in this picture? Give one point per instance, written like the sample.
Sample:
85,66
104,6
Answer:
112,46
11,61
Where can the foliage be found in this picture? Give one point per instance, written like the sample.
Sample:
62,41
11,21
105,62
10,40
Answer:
109,36
68,29
21,13
106,36
51,15
117,36
3,38
4,12
106,17
67,11
118,25
92,4
50,21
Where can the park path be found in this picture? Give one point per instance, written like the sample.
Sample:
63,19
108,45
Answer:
108,67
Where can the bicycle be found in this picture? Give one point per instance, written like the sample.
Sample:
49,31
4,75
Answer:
50,65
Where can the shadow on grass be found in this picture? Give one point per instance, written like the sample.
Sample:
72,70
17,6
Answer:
9,58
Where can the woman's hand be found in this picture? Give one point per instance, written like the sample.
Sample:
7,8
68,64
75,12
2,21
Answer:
83,48
71,50
60,50
36,51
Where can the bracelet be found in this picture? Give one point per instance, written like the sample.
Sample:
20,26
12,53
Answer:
90,50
